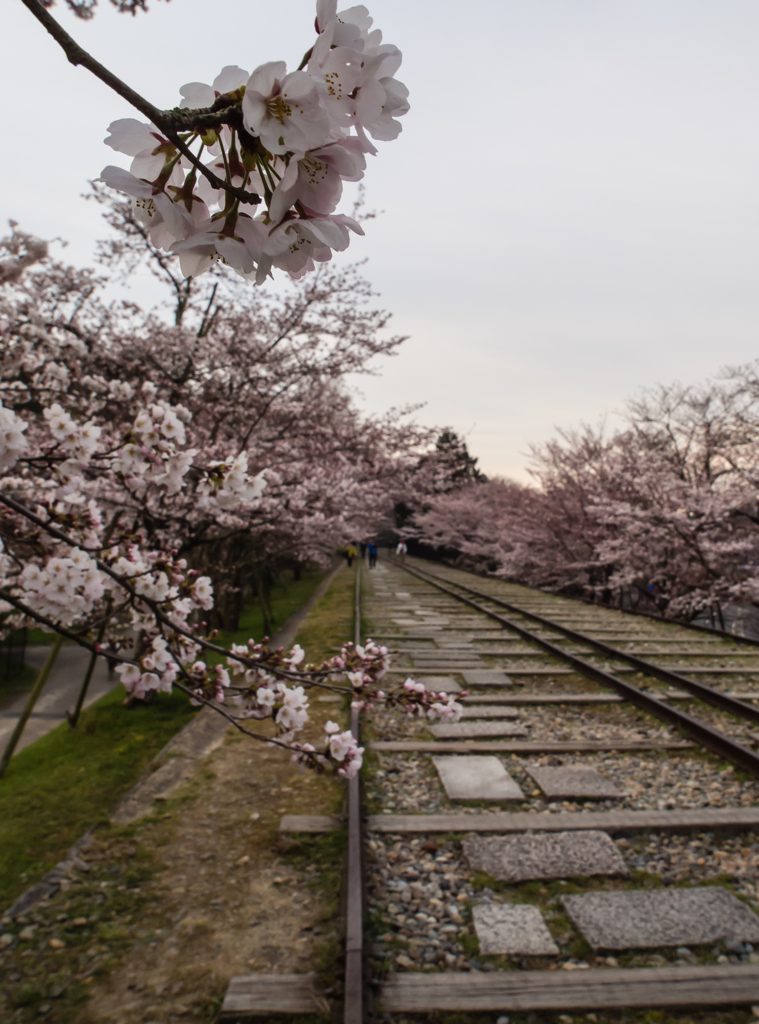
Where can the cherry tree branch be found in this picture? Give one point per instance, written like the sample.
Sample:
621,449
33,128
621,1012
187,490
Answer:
316,678
221,710
167,121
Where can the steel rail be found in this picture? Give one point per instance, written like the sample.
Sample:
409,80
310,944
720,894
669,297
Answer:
711,630
704,734
700,690
353,1007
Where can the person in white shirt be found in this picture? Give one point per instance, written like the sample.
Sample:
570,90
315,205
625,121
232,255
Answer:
401,551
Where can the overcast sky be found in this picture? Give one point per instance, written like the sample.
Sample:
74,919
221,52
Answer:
570,211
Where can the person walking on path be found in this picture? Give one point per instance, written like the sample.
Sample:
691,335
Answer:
401,551
350,554
371,547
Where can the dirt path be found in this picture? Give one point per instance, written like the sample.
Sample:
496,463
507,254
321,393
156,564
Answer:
165,911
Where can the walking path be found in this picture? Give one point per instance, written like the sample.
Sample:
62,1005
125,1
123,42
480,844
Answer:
60,693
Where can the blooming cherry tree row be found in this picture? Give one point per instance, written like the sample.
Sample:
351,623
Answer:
661,515
111,484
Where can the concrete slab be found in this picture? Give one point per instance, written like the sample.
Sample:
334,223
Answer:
466,658
489,711
504,928
476,730
664,917
442,684
522,858
444,665
486,677
572,782
476,778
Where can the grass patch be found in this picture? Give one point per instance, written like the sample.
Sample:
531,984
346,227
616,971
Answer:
57,788
330,621
285,598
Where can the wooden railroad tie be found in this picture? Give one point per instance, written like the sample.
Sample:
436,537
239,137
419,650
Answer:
523,746
594,989
621,822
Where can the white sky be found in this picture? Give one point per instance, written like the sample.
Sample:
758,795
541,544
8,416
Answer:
570,211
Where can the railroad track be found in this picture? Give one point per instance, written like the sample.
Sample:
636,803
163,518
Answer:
523,859
533,857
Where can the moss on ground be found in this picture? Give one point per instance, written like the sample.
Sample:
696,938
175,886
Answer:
330,621
68,781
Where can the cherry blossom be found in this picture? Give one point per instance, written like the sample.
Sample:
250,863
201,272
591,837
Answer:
304,133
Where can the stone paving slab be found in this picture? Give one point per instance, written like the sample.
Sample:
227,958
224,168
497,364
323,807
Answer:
486,677
476,778
445,663
573,782
520,930
476,730
664,917
442,684
489,711
523,858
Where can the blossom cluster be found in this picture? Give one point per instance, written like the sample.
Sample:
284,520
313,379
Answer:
12,442
63,588
290,138
420,701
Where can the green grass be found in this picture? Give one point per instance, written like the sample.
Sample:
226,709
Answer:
67,781
330,622
285,599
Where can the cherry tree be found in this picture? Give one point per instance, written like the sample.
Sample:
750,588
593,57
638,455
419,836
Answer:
132,450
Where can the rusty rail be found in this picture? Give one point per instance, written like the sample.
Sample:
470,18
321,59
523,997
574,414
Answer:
704,734
665,675
353,1010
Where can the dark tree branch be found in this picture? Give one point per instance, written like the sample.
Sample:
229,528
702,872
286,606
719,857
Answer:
164,120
